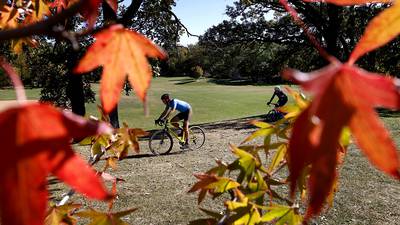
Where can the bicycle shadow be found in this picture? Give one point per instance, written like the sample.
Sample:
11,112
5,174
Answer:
237,124
148,155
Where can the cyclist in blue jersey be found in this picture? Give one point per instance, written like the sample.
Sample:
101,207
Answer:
185,113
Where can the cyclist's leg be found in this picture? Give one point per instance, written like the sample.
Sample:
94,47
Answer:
175,120
186,121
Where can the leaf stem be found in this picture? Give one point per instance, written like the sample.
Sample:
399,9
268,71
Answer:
17,83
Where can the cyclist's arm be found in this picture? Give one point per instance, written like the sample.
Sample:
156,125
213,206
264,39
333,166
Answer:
164,115
272,97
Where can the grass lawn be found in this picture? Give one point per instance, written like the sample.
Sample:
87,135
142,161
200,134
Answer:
211,102
9,94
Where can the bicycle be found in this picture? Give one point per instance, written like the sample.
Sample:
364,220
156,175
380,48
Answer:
274,114
161,141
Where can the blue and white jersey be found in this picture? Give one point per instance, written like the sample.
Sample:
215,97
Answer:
181,106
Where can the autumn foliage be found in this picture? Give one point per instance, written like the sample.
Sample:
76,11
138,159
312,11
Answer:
310,141
344,98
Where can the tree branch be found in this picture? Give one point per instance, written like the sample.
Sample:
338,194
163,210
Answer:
47,26
180,23
130,12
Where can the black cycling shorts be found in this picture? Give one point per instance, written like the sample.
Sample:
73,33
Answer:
184,115
281,102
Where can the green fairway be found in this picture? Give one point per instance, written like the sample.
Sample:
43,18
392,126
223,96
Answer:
210,102
9,94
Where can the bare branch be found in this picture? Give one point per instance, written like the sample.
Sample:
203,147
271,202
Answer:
180,23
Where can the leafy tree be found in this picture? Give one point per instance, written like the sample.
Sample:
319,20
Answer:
255,25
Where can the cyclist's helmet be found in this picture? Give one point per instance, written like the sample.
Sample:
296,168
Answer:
277,88
165,96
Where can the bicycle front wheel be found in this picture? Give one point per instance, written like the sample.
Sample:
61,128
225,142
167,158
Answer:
160,142
197,137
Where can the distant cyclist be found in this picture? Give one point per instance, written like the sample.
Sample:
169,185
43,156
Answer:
282,98
185,113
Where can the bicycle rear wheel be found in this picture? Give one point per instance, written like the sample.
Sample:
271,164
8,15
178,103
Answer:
160,142
197,137
273,116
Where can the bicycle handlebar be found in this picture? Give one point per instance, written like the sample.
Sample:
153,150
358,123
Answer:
161,122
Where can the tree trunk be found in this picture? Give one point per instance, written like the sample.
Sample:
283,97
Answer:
332,33
75,94
75,84
109,17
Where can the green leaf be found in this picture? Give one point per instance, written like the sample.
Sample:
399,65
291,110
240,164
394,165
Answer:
247,161
275,212
222,185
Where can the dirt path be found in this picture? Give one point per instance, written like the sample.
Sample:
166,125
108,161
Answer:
158,185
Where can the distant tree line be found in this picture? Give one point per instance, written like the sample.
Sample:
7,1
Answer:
253,46
260,39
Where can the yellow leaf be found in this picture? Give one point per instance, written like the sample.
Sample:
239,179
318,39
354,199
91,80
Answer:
61,215
222,185
263,132
278,158
260,124
275,212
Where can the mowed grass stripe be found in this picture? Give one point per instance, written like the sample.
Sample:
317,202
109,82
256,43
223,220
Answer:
211,102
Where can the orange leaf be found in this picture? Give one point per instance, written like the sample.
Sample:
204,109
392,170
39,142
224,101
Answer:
89,9
322,177
121,52
36,143
9,17
376,143
382,29
344,95
59,4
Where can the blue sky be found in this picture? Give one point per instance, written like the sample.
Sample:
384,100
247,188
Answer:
199,15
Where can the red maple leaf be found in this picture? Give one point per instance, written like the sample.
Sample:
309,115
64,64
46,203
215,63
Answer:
122,53
344,96
89,9
36,142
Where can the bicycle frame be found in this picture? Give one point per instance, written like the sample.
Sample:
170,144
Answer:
170,130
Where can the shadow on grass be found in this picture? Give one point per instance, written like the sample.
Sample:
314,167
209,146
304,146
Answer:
183,81
231,82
